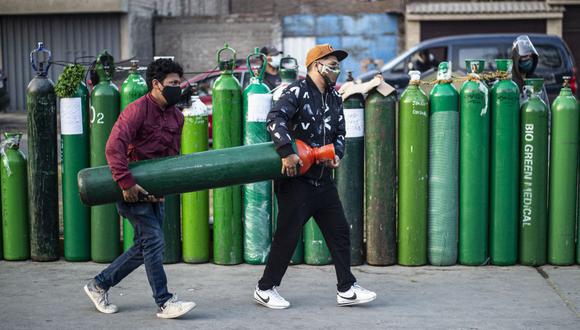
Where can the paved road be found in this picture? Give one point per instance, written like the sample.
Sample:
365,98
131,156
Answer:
49,295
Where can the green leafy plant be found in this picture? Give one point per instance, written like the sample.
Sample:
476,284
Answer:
69,80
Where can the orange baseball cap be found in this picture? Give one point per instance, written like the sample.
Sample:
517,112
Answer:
320,51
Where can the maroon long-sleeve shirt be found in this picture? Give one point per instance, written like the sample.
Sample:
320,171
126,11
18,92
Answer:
143,131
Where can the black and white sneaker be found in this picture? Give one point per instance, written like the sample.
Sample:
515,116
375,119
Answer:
354,296
270,298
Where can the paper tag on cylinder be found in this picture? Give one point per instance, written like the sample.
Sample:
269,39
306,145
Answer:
258,107
71,116
354,122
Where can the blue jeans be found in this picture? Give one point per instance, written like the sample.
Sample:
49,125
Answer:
147,219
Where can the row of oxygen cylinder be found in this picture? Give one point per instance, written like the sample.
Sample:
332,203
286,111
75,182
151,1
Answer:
456,177
481,179
30,196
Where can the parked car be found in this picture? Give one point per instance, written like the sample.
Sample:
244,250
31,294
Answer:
556,60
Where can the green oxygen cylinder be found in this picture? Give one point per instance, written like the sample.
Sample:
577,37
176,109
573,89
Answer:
563,170
105,98
443,169
74,127
380,175
349,176
42,160
195,205
413,173
288,74
316,251
533,225
257,197
473,168
227,133
504,168
172,229
132,88
14,202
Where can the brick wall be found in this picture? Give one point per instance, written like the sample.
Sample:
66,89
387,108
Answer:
194,41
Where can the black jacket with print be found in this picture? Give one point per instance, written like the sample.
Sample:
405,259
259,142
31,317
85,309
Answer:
304,113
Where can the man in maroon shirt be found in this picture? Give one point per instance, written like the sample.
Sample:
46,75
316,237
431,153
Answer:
148,128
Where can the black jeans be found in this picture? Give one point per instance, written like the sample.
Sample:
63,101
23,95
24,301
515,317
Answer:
299,200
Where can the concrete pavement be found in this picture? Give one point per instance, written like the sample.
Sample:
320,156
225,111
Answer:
49,295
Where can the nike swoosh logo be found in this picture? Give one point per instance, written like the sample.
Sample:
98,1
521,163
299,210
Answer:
347,298
266,300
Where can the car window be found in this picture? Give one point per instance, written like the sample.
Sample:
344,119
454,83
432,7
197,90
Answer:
487,52
424,59
204,86
550,57
401,66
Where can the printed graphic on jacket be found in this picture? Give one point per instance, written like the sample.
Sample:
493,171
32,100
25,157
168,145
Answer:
304,113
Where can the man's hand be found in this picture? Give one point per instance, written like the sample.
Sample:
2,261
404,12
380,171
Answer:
289,165
332,163
131,195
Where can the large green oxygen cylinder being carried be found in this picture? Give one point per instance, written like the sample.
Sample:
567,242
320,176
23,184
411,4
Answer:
380,173
533,225
288,74
105,98
14,202
413,173
350,175
443,169
42,160
74,127
227,133
257,197
504,168
198,171
195,205
133,88
563,168
473,167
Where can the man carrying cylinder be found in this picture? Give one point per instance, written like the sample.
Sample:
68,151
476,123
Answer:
310,110
149,128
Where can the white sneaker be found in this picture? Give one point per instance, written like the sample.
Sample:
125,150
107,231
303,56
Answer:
100,298
174,308
354,296
270,298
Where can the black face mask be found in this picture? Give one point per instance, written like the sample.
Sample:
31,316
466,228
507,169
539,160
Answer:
171,94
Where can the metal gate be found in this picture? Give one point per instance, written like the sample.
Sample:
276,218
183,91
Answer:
67,36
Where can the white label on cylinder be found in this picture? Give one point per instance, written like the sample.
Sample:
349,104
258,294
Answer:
354,122
258,107
71,116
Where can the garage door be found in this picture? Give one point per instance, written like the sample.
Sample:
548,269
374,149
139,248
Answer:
67,36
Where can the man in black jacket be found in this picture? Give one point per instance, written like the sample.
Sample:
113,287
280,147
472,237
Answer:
310,110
